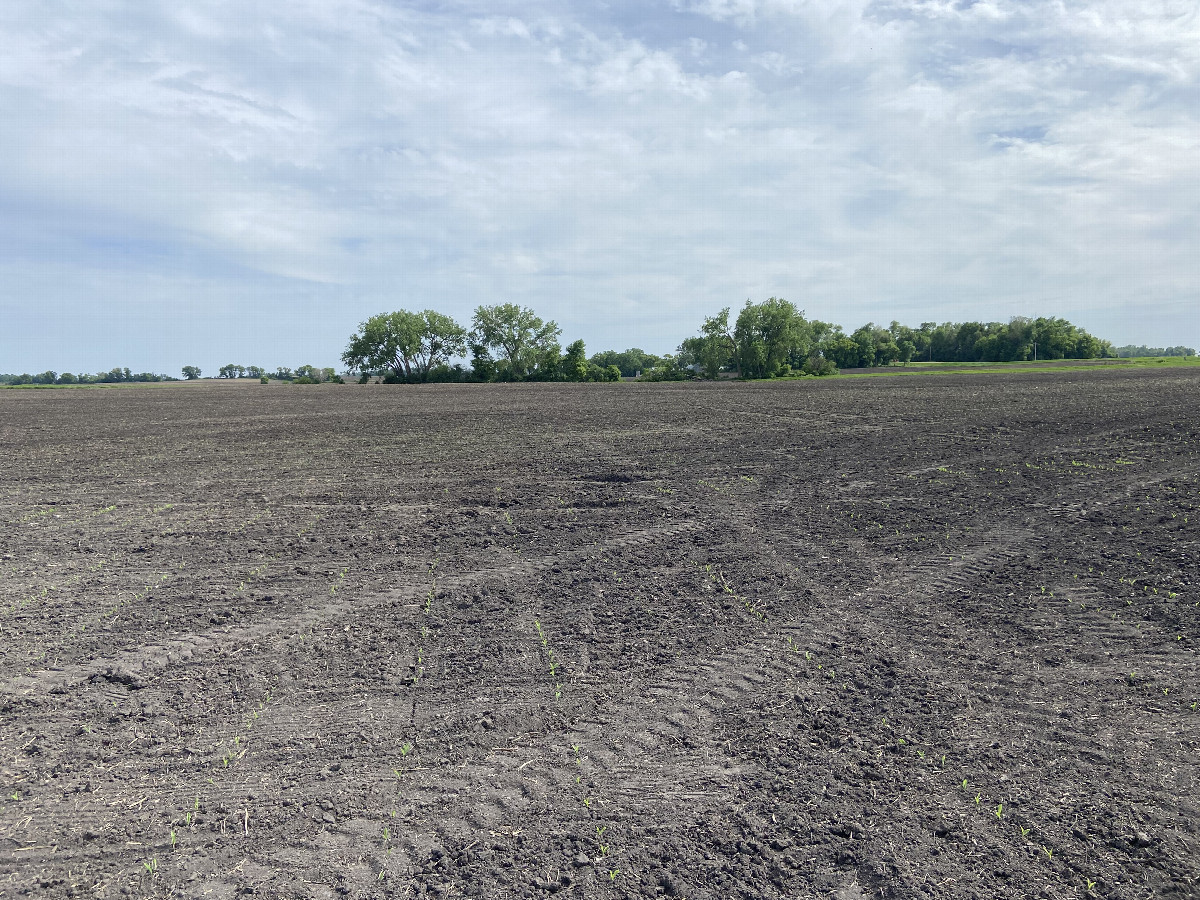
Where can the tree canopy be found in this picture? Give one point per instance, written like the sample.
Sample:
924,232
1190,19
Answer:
526,346
407,344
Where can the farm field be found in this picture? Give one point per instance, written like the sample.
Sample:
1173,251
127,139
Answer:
852,638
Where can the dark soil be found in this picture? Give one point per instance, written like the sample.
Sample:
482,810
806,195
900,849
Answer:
881,638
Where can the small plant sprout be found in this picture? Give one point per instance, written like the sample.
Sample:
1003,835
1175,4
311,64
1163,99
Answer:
173,839
1091,885
978,797
600,829
1049,853
405,749
151,867
613,873
587,802
964,784
1024,831
921,754
999,810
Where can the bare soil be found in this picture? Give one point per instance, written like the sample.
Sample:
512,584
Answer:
921,637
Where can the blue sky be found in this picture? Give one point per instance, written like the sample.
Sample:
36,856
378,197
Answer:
245,182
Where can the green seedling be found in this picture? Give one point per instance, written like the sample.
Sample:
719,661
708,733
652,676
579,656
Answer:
600,829
999,810
172,838
1091,885
405,749
978,797
1024,831
151,867
613,873
1049,853
587,802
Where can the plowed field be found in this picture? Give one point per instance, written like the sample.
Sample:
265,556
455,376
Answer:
921,637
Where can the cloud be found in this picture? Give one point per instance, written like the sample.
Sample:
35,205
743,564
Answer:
626,169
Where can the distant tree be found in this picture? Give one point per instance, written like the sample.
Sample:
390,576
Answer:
229,371
255,372
842,350
1131,351
45,378
67,378
311,373
574,365
767,335
718,348
524,343
630,362
191,373
406,344
283,373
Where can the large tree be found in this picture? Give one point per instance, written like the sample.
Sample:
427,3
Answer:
407,344
768,334
526,345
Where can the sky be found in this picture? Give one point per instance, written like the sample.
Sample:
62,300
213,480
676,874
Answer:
239,181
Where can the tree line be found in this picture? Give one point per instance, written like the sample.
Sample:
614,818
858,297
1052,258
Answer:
774,338
1129,351
300,375
771,339
506,342
112,376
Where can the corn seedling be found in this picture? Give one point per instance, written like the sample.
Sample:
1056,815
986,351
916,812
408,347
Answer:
1049,853
173,839
151,867
999,810
613,873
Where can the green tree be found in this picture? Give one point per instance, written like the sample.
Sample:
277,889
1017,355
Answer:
406,344
229,371
718,347
574,366
767,335
191,373
526,345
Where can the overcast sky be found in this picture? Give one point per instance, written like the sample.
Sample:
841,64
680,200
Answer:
211,182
